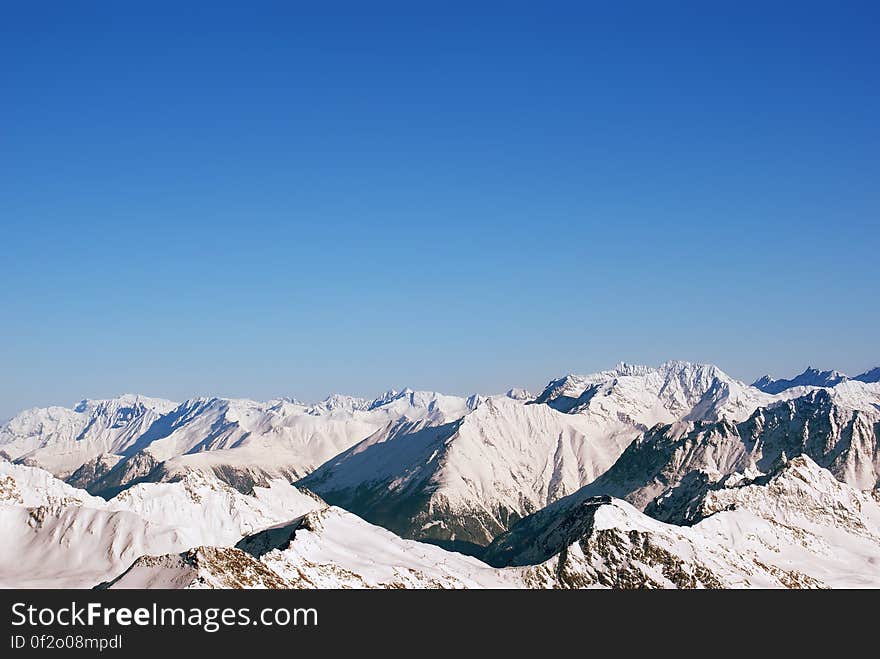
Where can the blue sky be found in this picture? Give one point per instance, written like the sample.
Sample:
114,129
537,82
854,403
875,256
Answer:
267,200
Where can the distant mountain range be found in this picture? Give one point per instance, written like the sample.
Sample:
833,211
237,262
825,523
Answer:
812,377
668,476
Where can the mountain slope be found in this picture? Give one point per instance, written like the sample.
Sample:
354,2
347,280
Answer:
333,548
245,443
464,482
57,535
198,568
839,428
797,527
61,440
872,375
109,445
643,396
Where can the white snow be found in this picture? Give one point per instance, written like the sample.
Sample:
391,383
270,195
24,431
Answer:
56,535
465,468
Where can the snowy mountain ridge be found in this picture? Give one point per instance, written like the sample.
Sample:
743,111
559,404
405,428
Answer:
462,483
55,534
795,527
812,377
237,439
671,445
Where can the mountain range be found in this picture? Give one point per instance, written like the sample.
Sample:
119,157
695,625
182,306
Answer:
812,377
668,476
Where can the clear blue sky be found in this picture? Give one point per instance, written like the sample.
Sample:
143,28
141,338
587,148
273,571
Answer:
266,200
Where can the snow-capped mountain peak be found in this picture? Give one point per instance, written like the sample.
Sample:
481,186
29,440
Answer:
125,401
669,476
770,531
517,393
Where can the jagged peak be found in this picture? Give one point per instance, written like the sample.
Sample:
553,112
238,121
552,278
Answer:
125,400
386,397
810,377
829,375
344,402
701,389
626,368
